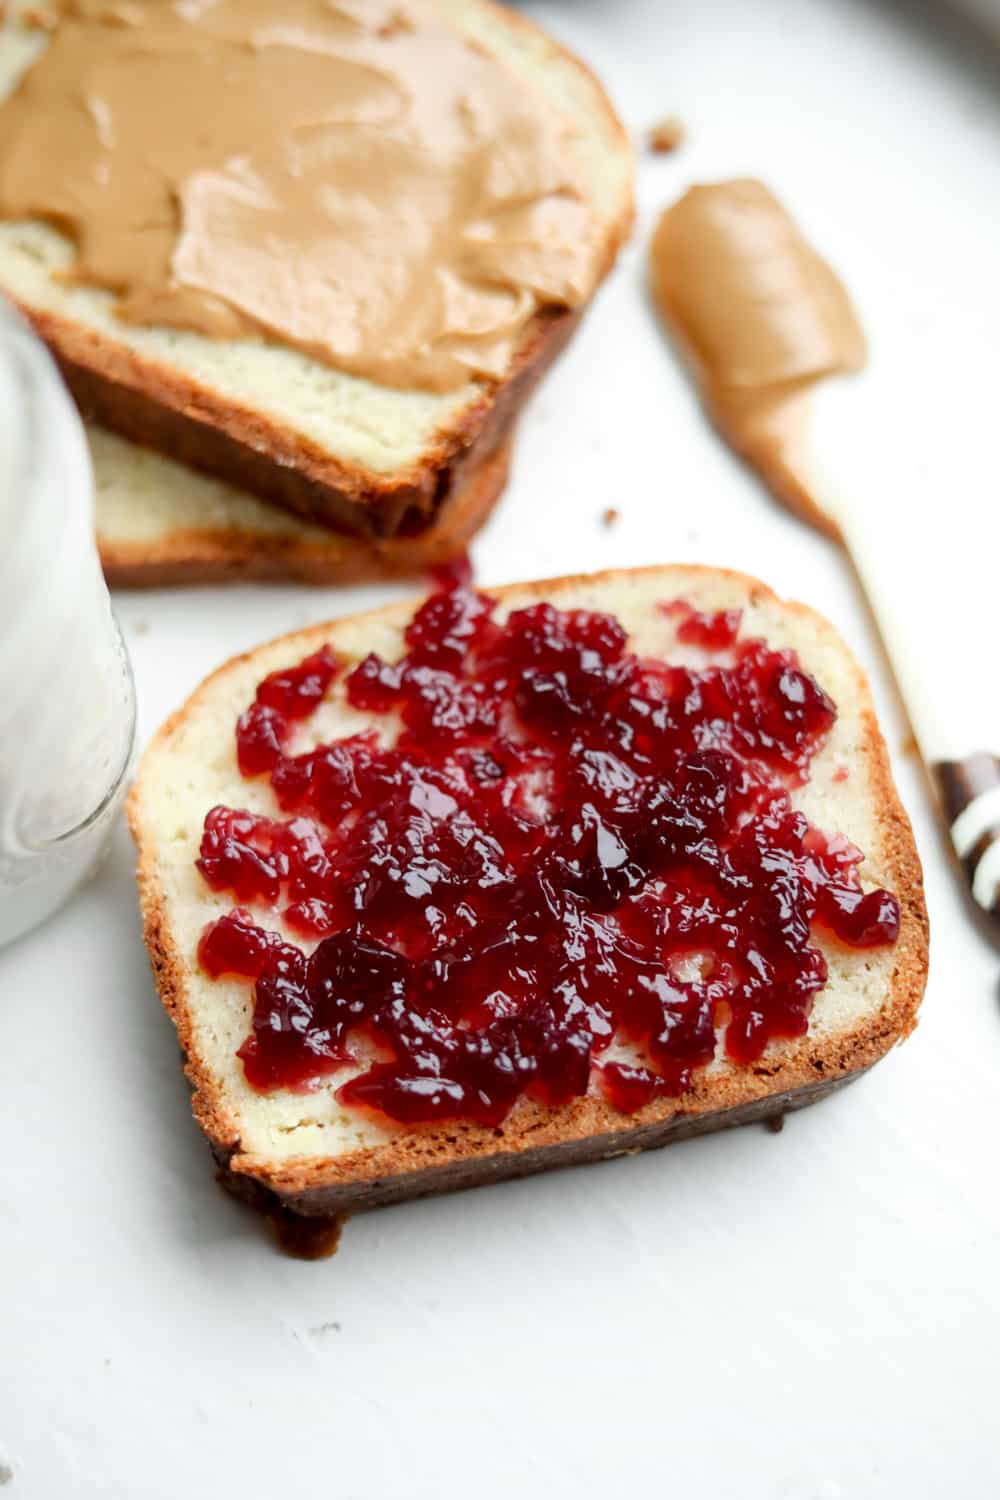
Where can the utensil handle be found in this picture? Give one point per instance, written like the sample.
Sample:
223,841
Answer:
910,539
970,794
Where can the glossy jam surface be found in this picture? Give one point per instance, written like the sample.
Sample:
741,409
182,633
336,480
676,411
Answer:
574,866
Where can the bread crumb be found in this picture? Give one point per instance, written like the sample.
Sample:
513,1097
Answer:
123,15
611,515
39,19
141,627
395,25
320,1328
666,135
909,746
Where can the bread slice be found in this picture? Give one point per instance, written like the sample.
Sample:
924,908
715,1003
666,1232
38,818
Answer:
334,448
160,524
309,1155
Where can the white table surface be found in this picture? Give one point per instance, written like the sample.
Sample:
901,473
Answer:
803,1316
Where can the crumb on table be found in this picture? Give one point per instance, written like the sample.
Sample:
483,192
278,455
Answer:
666,135
611,515
38,18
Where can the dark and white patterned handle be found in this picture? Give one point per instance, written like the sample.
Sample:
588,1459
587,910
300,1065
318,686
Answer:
970,789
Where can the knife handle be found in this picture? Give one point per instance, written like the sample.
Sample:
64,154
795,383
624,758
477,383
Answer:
911,531
970,793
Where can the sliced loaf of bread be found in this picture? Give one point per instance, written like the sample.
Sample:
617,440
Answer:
161,524
333,447
307,1152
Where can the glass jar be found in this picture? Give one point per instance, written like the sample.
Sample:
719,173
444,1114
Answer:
67,698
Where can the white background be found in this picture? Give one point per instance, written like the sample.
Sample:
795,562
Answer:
798,1317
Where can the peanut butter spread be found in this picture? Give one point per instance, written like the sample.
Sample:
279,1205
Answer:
354,178
762,316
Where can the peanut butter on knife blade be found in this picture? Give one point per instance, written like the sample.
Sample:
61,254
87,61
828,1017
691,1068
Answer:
763,318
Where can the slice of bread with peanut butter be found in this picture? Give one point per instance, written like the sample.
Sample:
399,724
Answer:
161,525
332,267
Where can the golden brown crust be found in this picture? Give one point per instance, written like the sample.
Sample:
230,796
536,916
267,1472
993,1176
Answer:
329,1205
435,1158
156,406
159,408
223,556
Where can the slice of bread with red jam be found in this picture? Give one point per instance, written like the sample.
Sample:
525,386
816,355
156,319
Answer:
504,881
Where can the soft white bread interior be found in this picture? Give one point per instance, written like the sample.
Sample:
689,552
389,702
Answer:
142,499
298,1144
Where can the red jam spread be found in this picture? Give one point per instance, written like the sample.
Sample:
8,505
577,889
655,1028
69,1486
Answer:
567,847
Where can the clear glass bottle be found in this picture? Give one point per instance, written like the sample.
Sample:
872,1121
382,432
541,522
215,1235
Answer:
67,698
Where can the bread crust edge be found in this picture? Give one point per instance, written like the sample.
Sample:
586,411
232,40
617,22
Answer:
192,556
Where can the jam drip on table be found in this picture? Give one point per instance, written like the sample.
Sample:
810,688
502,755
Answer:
568,848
